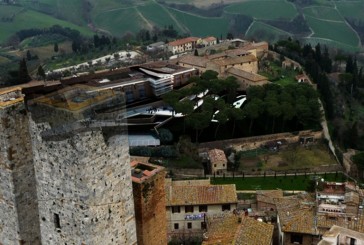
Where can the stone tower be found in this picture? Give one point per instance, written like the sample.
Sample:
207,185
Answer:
19,220
80,162
150,203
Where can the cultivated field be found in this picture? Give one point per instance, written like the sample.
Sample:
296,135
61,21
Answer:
266,32
264,9
332,30
351,9
322,12
201,26
25,19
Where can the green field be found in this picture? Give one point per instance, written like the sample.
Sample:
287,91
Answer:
69,10
325,29
159,16
351,9
263,10
299,182
201,26
25,19
266,32
118,21
321,12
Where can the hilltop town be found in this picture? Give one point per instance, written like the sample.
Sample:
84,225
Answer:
225,142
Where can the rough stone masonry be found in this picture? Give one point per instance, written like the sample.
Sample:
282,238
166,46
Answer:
59,186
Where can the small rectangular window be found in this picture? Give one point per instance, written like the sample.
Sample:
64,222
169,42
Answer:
203,226
202,208
176,226
56,220
189,225
225,207
188,209
176,209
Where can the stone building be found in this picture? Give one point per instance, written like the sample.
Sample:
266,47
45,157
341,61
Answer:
218,161
241,63
150,203
66,170
238,230
190,202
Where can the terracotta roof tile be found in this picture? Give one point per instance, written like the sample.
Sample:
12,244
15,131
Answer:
235,60
222,230
195,195
254,232
269,196
194,60
244,74
217,155
183,41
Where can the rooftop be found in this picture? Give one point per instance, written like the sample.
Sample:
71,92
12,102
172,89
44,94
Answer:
209,39
183,41
337,230
235,60
191,194
254,232
194,60
296,214
141,172
74,98
9,96
268,196
247,75
217,155
222,230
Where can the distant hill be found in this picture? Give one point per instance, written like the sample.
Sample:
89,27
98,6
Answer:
336,23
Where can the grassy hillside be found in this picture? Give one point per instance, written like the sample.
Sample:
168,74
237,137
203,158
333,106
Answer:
23,18
264,10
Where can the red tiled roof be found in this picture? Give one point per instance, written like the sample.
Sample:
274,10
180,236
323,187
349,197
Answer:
209,39
202,194
217,155
183,41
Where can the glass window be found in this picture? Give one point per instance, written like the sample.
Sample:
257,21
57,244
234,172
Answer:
176,226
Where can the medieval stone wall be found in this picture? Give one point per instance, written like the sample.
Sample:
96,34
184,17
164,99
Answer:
84,188
19,222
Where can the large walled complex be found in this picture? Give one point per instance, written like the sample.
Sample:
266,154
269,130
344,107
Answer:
64,168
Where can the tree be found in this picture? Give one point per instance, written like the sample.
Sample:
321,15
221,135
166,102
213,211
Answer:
358,159
196,52
23,74
29,55
55,48
229,36
41,72
252,110
199,121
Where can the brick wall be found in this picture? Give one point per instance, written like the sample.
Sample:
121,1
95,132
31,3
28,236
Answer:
150,210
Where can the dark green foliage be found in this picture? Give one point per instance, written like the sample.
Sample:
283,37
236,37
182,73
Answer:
160,151
165,136
55,48
23,75
40,72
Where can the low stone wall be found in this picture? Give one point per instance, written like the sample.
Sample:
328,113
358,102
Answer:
251,143
186,172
